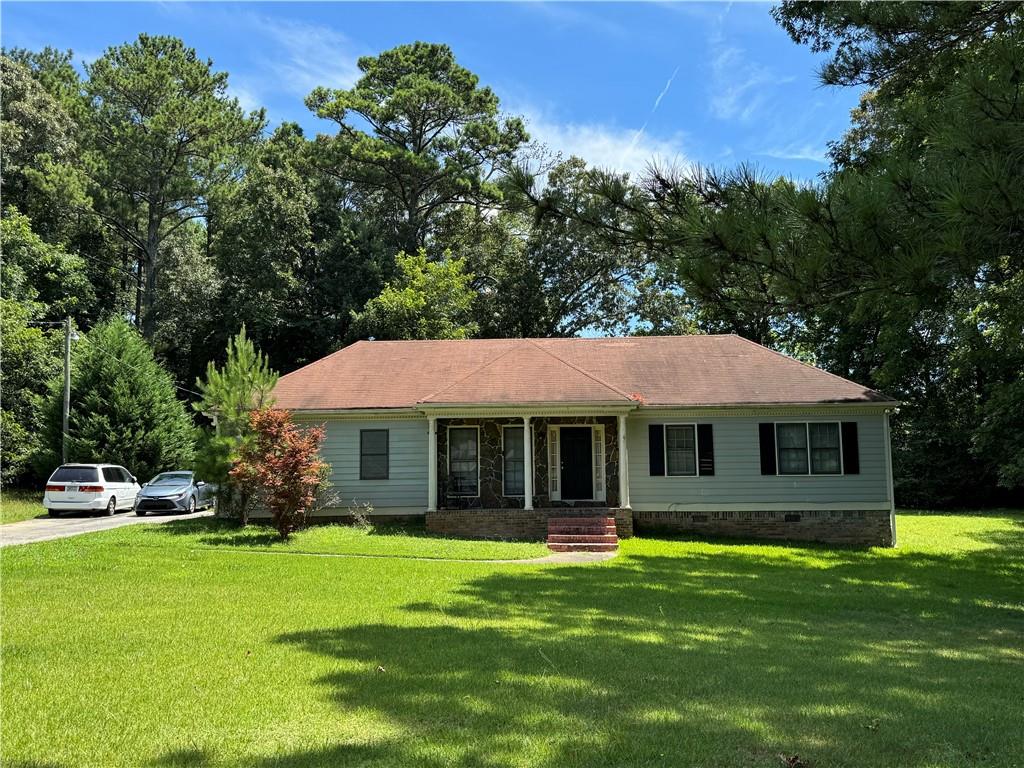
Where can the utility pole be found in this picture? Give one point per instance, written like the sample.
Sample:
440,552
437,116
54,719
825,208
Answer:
67,389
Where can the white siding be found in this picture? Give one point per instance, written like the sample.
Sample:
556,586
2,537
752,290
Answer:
405,490
738,482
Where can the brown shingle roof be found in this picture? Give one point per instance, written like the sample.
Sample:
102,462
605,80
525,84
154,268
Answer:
654,370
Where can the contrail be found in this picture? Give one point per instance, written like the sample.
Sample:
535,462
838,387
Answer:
657,103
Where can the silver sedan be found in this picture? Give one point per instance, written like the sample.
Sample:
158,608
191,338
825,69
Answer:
173,492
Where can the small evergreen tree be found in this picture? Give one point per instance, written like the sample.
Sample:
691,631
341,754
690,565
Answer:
123,407
245,383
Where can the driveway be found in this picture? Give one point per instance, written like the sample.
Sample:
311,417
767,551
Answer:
46,528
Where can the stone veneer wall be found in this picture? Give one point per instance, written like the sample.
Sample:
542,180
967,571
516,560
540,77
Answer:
860,528
491,468
516,523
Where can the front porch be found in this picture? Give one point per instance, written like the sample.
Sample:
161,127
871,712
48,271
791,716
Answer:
504,476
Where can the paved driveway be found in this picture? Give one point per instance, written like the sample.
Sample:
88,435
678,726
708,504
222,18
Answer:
46,528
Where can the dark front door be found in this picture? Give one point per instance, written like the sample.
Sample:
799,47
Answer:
577,456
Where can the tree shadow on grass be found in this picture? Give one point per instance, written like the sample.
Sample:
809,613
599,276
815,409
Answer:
722,657
215,532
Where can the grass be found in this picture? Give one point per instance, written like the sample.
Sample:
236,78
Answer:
17,505
381,541
155,647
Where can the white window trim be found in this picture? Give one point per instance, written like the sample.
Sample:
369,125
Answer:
807,448
503,493
696,448
595,496
448,457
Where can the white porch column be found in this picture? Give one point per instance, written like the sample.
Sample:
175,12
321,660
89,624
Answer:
432,464
527,464
623,464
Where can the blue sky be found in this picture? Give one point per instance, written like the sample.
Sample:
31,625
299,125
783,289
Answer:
616,83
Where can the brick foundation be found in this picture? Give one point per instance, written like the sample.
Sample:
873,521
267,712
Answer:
860,528
516,523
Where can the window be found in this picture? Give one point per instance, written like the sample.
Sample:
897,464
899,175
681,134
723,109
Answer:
680,449
113,475
792,441
373,454
464,461
825,449
71,474
514,464
809,448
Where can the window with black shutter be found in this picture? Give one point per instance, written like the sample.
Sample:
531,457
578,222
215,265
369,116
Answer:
706,449
656,449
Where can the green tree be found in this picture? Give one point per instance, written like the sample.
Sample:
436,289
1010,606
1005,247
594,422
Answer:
36,272
229,394
31,357
163,135
428,300
436,140
123,407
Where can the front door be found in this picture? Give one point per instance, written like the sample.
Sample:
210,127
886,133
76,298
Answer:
577,461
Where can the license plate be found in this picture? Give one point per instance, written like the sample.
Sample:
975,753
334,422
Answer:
71,489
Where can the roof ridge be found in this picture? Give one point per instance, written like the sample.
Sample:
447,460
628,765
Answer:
581,370
471,373
805,365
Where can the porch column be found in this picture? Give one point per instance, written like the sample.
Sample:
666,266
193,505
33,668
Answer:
623,464
432,464
527,464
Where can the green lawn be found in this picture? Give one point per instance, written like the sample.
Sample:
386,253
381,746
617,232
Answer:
382,541
18,505
179,646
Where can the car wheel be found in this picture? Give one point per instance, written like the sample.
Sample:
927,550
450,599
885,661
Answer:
51,512
111,506
140,512
191,504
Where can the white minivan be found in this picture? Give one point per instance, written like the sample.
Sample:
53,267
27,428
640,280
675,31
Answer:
103,488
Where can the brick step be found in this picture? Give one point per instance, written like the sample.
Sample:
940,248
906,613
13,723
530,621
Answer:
582,547
607,538
580,520
591,529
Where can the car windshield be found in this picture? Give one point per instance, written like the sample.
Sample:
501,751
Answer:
172,478
75,475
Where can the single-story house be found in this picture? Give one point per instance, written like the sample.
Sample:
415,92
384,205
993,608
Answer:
708,434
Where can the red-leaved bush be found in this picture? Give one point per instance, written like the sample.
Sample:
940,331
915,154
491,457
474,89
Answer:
281,466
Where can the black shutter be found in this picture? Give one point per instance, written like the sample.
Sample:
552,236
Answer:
767,434
656,448
706,449
851,449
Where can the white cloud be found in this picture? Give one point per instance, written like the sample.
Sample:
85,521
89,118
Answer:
739,86
248,97
307,55
797,151
604,146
